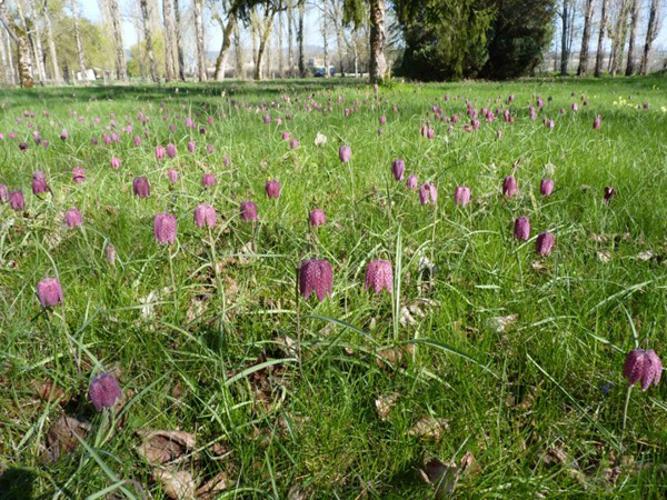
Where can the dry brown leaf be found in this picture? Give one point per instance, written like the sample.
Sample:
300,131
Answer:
211,488
47,390
61,437
178,485
604,256
296,493
555,455
645,256
538,266
393,356
442,476
501,323
429,428
161,447
384,404
469,464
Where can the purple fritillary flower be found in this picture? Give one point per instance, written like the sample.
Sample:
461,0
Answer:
643,366
272,189
428,194
104,391
522,228
547,187
141,187
16,200
49,292
316,217
164,228
397,169
510,186
73,218
545,243
344,153
285,136
205,215
171,150
412,182
315,276
609,193
64,134
78,175
248,211
597,123
136,140
160,152
462,196
192,146
379,276
294,144
208,180
115,162
39,184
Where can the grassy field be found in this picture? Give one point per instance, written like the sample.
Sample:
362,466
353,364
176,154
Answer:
490,369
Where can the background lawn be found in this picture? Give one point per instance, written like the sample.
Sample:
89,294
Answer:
505,366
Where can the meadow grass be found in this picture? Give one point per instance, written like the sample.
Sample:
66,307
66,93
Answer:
196,331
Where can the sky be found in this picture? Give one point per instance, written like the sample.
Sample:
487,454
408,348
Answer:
90,9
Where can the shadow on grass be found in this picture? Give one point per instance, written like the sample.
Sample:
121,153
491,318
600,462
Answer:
17,483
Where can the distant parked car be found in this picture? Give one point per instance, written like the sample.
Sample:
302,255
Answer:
320,72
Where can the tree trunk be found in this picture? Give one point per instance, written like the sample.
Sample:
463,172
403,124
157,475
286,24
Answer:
179,41
55,67
77,36
269,14
585,38
599,55
339,47
11,72
299,36
148,40
564,52
223,55
36,37
651,33
634,12
20,38
281,62
290,37
119,50
378,64
238,53
618,46
325,45
169,35
356,60
4,60
199,36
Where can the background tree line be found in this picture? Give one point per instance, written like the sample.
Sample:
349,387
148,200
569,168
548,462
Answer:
50,40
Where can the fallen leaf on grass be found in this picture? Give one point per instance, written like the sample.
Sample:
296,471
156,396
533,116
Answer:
62,436
211,488
384,405
429,428
393,356
501,323
418,309
469,464
645,256
47,390
604,256
176,484
442,476
161,447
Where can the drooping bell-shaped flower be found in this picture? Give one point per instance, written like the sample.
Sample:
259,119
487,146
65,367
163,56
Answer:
510,186
208,180
294,144
110,253
16,200
192,146
104,391
315,276
316,217
462,196
345,153
73,218
49,292
272,188
39,184
171,150
115,162
379,276
172,175
248,211
78,175
609,193
64,134
545,243
522,228
644,367
597,122
164,228
547,187
141,187
397,169
160,152
412,182
428,194
205,215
